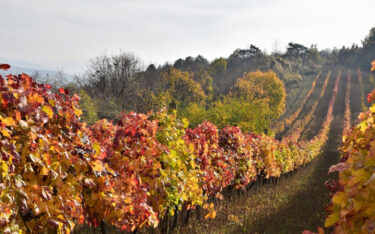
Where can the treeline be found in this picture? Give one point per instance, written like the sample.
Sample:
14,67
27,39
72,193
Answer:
203,90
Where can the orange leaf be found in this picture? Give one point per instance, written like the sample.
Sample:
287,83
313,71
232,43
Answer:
36,98
81,219
373,65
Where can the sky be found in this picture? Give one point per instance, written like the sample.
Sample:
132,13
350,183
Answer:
65,35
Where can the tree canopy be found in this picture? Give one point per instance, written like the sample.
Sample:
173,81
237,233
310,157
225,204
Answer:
254,86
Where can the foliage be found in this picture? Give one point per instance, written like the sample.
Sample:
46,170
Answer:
352,203
195,113
191,64
182,88
129,172
112,79
179,174
296,50
255,86
45,157
89,107
55,172
249,116
218,66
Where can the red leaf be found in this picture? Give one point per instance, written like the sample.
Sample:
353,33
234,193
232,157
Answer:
62,90
371,96
4,66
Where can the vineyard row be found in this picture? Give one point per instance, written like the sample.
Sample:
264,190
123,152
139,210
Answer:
299,126
57,172
283,125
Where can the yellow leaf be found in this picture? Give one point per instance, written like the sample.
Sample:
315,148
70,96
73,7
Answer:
8,121
233,218
128,200
363,126
5,132
44,171
96,147
48,110
211,215
77,112
4,169
60,228
370,211
339,199
97,166
360,175
331,219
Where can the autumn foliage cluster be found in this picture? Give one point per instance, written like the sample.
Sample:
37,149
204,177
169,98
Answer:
352,208
56,172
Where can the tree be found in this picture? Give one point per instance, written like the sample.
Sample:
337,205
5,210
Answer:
191,64
150,79
249,116
313,53
89,107
296,50
195,113
218,66
252,51
112,79
259,85
368,51
206,82
182,88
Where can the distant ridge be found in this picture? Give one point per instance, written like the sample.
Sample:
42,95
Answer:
19,67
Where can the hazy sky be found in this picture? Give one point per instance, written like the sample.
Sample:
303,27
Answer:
67,33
